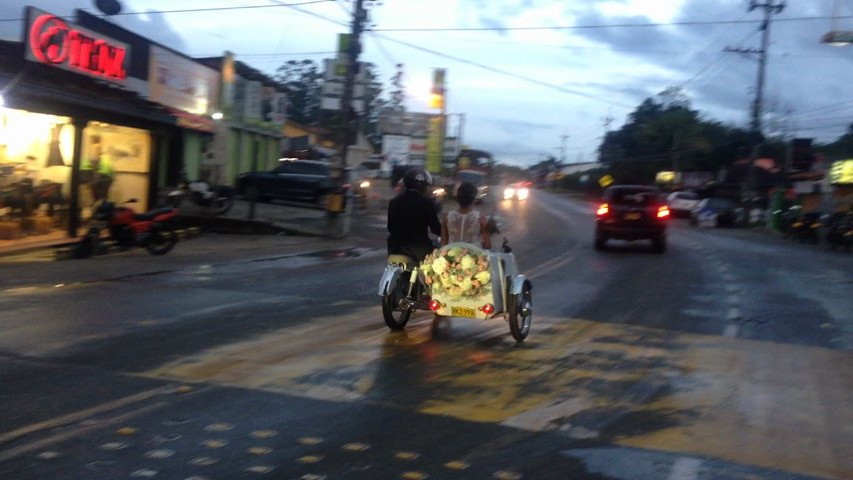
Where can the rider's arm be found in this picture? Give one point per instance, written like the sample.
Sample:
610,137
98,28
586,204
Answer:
445,234
434,224
484,232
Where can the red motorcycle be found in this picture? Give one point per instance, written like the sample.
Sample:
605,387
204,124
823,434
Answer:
127,228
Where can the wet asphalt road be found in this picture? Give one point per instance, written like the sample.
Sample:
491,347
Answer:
729,356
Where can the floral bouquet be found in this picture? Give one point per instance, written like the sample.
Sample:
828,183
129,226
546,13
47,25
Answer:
458,270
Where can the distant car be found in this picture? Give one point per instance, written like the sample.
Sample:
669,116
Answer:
517,191
682,203
632,212
719,211
304,180
474,177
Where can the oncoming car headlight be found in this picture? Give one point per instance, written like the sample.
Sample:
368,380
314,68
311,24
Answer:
364,184
438,192
523,193
509,192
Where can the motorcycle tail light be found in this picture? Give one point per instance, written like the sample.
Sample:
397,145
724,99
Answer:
488,309
603,210
434,305
663,212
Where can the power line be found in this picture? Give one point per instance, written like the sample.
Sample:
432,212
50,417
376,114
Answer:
504,72
196,10
612,25
383,50
717,60
271,55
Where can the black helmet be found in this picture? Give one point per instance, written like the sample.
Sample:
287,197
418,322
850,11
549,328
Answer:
417,179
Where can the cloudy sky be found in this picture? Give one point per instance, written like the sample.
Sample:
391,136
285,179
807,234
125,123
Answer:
522,89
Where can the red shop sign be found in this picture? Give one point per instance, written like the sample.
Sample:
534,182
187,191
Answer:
56,42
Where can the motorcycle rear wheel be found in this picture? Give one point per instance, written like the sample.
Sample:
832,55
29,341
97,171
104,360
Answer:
161,241
395,316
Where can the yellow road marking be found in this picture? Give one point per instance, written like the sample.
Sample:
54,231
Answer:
772,405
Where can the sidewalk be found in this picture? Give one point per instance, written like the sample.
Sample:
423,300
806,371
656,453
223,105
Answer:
39,270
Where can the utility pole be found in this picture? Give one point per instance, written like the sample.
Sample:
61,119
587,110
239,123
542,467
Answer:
336,206
770,8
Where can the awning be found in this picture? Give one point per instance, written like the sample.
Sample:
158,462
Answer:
191,121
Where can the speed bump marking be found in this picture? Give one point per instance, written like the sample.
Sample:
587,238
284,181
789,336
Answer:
407,455
310,459
355,447
506,475
214,443
159,454
263,434
203,461
258,450
218,427
310,440
415,476
457,465
126,431
260,469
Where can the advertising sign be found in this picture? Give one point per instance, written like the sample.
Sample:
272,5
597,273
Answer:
434,150
395,148
841,172
252,101
180,83
50,40
333,88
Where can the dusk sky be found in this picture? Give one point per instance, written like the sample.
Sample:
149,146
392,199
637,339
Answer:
521,89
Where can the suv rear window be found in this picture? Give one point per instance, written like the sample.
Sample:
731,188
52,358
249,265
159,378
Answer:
626,196
475,178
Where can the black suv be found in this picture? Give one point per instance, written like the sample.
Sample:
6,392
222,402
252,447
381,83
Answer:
292,179
632,212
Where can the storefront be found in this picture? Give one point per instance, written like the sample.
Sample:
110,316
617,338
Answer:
249,135
71,131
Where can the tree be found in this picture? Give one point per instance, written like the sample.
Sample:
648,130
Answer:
665,133
397,103
304,83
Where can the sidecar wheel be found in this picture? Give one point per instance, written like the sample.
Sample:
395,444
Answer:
520,314
396,317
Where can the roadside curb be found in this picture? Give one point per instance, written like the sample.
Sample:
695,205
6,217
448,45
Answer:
66,251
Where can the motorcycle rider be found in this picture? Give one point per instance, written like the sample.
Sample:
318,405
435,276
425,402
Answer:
411,216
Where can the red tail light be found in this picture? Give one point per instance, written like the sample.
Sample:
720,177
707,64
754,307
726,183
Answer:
488,309
602,210
434,305
663,212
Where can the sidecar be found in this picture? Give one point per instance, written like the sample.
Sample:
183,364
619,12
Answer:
508,293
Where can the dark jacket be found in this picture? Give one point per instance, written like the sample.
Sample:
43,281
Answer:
411,216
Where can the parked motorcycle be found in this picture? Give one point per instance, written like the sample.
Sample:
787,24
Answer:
839,230
217,199
806,228
127,228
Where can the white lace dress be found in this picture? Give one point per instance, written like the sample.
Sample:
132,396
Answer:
464,227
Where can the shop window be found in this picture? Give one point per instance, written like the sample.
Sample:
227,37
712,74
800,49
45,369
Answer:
36,152
115,165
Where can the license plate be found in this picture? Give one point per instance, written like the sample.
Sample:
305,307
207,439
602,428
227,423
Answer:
462,312
632,216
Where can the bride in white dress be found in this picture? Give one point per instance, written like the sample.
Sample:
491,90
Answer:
465,224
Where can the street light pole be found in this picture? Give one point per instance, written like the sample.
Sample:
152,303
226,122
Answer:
336,205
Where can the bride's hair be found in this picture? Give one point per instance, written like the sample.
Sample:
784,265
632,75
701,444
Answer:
466,194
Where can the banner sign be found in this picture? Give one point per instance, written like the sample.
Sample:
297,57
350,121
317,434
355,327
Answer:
50,40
